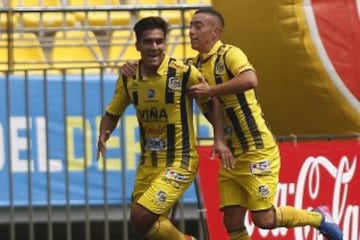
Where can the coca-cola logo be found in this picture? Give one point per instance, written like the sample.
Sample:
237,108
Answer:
316,174
313,173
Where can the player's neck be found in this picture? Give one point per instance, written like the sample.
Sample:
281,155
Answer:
147,70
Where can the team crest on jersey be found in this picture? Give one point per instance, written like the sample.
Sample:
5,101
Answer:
219,68
151,93
174,83
264,191
160,197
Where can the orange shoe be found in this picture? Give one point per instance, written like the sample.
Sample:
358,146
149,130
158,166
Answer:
187,237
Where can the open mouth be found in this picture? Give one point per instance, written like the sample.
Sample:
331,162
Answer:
154,55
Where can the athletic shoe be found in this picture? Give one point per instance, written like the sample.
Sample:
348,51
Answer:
328,227
187,237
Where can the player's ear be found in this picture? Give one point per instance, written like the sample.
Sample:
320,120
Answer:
218,30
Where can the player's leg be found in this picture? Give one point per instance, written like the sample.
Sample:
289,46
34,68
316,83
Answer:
231,195
234,222
262,186
288,216
163,229
234,218
285,216
154,196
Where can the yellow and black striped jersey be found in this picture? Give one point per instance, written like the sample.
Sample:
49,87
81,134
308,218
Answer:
244,125
164,113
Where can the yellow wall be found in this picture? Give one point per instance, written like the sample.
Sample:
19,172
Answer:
295,91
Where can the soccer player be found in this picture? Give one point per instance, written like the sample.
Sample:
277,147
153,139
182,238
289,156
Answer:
168,161
251,185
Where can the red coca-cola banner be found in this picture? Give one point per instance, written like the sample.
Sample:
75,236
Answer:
312,174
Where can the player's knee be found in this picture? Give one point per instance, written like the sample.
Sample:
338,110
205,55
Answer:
264,223
142,219
233,219
264,219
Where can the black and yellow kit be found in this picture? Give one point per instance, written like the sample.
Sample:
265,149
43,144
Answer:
164,113
253,181
245,127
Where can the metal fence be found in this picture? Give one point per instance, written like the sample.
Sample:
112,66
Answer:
41,34
51,186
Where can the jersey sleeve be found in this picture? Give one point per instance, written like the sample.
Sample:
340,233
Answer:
120,99
236,61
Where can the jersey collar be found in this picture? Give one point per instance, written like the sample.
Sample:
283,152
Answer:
212,51
163,66
162,69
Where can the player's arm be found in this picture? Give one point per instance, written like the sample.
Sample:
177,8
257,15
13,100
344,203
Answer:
239,83
107,125
244,77
211,109
215,117
112,114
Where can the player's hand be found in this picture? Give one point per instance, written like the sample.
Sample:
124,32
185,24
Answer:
101,148
224,153
128,69
200,90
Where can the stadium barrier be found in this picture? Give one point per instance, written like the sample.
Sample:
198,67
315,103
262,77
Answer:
316,170
48,138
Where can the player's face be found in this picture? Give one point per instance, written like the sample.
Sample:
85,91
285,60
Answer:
151,47
202,32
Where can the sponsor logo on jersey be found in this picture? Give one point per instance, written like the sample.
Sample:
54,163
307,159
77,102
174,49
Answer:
260,167
174,83
151,93
178,65
154,130
174,175
153,114
155,144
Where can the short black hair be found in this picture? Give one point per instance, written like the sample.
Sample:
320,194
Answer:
152,22
212,12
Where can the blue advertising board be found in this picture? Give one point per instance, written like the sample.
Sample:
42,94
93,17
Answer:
48,140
